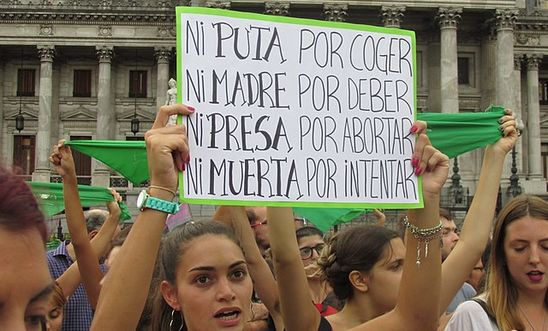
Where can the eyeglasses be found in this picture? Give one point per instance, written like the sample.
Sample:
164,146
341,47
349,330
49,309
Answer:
256,225
307,252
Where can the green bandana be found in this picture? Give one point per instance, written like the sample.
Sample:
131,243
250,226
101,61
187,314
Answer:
50,197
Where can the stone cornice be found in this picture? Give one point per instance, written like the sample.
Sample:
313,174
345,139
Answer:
31,15
335,12
392,15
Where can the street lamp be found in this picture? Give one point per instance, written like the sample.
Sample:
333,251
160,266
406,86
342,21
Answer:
457,191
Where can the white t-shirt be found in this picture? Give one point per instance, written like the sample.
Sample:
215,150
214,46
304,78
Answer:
470,316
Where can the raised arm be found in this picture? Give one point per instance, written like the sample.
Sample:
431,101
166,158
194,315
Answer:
420,280
70,279
263,280
479,219
127,283
88,261
298,310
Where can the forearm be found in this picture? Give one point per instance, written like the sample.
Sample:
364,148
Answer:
100,243
422,273
73,211
296,304
478,221
126,286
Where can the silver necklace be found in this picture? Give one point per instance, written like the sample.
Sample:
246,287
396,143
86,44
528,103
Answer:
529,321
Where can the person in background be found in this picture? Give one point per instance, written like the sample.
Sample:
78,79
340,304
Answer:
516,288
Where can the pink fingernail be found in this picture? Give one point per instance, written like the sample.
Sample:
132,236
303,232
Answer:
413,129
190,109
180,163
418,171
414,162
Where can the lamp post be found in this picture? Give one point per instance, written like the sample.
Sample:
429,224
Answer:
514,189
19,119
60,235
457,191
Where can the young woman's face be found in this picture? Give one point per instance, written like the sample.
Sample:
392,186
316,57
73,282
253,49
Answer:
526,251
213,285
25,282
310,248
385,277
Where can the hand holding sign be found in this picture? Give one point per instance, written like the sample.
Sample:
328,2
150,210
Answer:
428,161
167,147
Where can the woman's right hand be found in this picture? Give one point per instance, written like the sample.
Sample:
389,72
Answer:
167,147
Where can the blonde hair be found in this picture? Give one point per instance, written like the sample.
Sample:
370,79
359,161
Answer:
502,295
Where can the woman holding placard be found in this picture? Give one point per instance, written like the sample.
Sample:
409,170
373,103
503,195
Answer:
364,264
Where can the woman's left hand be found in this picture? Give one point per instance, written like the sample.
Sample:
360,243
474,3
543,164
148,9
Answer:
428,161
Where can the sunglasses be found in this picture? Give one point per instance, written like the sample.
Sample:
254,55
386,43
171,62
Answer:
307,252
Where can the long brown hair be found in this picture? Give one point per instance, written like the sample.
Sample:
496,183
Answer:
172,249
502,295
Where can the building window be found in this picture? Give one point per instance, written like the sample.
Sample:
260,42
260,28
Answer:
543,91
82,84
137,84
464,70
25,82
82,163
23,154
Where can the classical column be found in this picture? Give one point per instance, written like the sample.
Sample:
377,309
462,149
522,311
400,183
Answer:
335,12
392,16
276,8
106,115
43,137
533,118
448,19
516,105
162,54
505,21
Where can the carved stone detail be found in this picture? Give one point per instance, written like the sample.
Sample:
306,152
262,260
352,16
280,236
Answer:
46,30
506,19
533,61
105,31
46,53
162,54
527,39
276,8
449,17
518,60
218,4
392,16
335,12
105,53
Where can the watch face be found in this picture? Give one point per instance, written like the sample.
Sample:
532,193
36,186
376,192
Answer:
141,199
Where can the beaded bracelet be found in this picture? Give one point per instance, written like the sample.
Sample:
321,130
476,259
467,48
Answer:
163,189
423,236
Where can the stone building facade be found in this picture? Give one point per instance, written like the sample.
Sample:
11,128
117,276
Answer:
83,69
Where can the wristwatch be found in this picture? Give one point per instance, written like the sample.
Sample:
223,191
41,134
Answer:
144,200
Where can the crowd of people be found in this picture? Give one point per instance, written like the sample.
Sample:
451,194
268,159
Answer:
264,268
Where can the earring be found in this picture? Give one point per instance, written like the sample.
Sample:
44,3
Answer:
171,322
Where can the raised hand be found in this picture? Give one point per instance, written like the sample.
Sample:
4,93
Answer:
113,206
428,161
62,160
508,128
167,147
